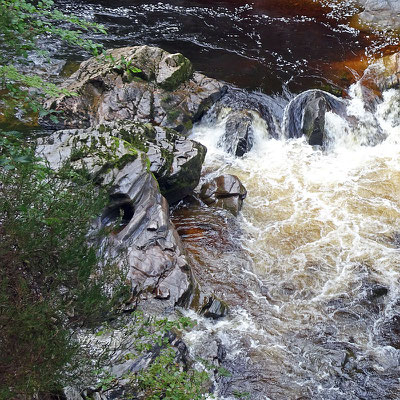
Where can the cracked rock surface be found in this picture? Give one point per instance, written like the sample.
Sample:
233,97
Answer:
148,85
144,243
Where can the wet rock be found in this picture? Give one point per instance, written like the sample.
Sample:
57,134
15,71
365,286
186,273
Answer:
238,138
251,105
166,92
383,14
384,74
143,243
376,291
391,332
214,308
305,115
225,191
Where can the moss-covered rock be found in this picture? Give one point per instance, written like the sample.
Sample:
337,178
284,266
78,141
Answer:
142,241
143,84
174,160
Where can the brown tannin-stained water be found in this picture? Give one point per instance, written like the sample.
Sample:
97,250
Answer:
257,45
311,266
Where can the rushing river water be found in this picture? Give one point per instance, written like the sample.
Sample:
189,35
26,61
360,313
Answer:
311,267
316,292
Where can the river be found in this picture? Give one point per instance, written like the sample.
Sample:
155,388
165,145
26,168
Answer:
311,267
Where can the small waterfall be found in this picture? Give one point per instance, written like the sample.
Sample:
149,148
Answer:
319,306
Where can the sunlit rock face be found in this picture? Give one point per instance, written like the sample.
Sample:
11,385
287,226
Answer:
125,158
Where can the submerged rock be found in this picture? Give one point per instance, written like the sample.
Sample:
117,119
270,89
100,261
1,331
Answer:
142,241
142,83
225,191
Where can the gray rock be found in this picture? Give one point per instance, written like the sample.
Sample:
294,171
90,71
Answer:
384,14
174,160
145,244
305,115
238,138
214,308
166,92
225,191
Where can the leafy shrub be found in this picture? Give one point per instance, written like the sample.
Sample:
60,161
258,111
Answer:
165,372
48,280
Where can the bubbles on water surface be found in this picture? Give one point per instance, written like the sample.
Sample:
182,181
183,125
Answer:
319,226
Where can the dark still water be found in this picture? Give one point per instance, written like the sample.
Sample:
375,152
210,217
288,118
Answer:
256,45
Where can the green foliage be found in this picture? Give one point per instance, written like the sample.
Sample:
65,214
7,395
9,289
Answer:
166,379
13,150
22,24
48,273
241,395
166,376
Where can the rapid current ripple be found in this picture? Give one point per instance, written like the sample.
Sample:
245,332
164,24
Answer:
316,290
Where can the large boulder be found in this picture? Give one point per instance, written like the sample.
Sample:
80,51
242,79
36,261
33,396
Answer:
174,160
225,191
141,241
241,111
142,83
305,115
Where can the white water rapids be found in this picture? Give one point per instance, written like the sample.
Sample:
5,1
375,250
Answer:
322,229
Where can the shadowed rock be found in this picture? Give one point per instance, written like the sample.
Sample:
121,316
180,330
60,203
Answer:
238,138
305,115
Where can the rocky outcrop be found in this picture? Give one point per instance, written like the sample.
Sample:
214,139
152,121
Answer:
225,191
240,111
383,14
142,241
238,138
143,84
384,74
305,115
174,160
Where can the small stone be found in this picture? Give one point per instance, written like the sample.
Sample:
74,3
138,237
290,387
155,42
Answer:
162,293
214,308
